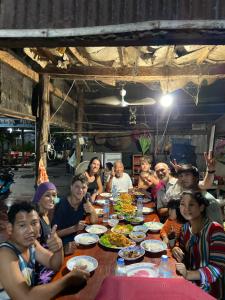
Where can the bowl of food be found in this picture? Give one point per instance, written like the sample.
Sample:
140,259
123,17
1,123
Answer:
134,220
141,228
153,246
154,226
131,253
87,263
123,229
113,222
137,236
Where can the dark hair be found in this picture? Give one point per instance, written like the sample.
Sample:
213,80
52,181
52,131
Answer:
197,195
175,204
89,166
109,165
80,177
188,168
18,207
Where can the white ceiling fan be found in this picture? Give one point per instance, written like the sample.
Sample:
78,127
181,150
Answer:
116,101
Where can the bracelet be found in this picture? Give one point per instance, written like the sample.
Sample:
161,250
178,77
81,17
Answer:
211,172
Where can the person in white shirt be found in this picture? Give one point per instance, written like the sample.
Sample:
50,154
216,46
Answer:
118,179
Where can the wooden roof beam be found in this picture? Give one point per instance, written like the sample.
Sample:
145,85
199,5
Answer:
143,74
78,56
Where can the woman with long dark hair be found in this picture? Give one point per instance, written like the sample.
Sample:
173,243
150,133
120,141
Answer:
93,174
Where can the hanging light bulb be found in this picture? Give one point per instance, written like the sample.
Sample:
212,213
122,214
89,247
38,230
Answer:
123,93
166,100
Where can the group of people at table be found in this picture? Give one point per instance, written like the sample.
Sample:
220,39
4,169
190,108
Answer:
42,232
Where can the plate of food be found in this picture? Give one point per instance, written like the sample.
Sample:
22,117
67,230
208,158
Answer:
153,246
142,228
123,229
147,210
154,226
99,211
96,229
88,263
115,241
134,220
142,270
125,207
101,202
86,239
106,195
131,253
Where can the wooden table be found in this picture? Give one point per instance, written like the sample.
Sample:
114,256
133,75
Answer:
106,263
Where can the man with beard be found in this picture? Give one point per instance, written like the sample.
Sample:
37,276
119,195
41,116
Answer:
170,186
19,253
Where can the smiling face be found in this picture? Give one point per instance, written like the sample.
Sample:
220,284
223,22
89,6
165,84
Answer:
95,166
118,168
162,171
46,202
26,229
187,180
78,191
145,166
190,208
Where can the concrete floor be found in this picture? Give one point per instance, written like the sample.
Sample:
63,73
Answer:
23,188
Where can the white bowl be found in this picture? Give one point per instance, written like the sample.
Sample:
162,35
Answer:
153,246
113,222
154,226
137,236
141,228
96,229
86,239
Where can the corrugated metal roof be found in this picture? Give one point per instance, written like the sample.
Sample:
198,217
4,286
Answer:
36,14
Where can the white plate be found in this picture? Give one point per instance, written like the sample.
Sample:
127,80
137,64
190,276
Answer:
107,195
82,260
101,202
86,239
142,270
99,211
153,246
96,229
154,226
147,210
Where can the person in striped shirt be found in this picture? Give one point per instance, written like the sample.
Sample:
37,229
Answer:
201,253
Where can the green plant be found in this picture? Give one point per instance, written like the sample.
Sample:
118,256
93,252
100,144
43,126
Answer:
145,143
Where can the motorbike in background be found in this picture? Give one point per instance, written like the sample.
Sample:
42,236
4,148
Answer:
6,179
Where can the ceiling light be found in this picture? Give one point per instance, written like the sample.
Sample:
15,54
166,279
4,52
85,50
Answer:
166,100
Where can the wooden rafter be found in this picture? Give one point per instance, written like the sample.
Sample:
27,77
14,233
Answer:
78,56
144,74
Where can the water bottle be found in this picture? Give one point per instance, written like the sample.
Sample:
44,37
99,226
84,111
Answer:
120,267
106,212
164,267
114,192
139,206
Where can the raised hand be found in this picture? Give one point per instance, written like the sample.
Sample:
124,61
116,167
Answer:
54,243
210,161
175,165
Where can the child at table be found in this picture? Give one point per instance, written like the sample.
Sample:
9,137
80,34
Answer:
170,231
201,254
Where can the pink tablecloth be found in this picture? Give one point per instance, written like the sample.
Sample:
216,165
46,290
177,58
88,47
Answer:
137,288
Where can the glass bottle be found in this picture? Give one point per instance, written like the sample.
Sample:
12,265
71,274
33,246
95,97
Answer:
106,212
139,206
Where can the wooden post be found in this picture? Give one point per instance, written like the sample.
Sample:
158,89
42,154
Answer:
80,116
23,157
43,121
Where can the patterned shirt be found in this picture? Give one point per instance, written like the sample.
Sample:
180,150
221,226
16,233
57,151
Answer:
205,252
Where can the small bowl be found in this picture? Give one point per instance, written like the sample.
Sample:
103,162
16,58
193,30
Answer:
113,222
141,228
137,236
